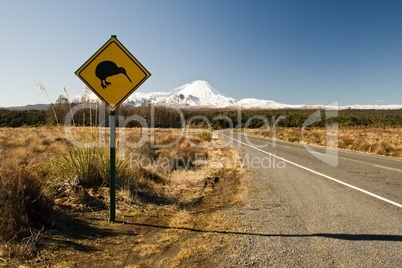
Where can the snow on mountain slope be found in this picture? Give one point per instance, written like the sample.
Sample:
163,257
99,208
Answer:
371,107
257,103
198,93
138,98
201,94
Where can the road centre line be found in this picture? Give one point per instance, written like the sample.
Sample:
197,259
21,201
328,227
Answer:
320,174
358,161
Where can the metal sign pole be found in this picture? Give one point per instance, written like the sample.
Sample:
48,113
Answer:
112,124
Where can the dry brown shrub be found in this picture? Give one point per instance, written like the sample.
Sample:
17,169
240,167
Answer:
186,177
375,140
167,138
382,141
25,209
184,153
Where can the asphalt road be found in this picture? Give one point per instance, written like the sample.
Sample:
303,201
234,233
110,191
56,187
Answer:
308,209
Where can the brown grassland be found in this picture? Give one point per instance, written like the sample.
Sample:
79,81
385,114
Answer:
372,140
54,195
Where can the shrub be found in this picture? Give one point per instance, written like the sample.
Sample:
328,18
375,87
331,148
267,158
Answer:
24,208
147,150
90,166
206,135
85,164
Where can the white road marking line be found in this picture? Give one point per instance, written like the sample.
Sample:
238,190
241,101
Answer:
321,174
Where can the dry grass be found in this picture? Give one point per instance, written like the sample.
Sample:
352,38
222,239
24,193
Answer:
173,168
179,185
25,210
382,141
374,140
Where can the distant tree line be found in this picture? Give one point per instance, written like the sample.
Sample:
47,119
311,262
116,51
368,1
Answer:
94,114
10,118
91,114
377,118
221,118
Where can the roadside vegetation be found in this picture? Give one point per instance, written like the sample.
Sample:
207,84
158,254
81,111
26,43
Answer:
54,195
54,187
372,140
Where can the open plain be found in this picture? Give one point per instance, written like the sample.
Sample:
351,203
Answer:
186,198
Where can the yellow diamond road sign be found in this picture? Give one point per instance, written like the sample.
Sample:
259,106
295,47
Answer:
113,73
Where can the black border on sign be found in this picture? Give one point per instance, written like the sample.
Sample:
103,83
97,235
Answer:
113,39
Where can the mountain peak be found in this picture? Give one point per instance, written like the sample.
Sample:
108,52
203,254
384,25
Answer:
197,88
198,93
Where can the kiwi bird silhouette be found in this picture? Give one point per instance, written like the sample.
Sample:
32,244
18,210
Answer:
106,69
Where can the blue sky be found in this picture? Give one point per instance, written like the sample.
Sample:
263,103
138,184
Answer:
294,52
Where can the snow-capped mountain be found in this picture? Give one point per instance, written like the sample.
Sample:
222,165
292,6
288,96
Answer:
198,93
257,103
201,94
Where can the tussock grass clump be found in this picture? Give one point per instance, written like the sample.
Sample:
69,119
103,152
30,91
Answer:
24,208
90,166
84,164
206,135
